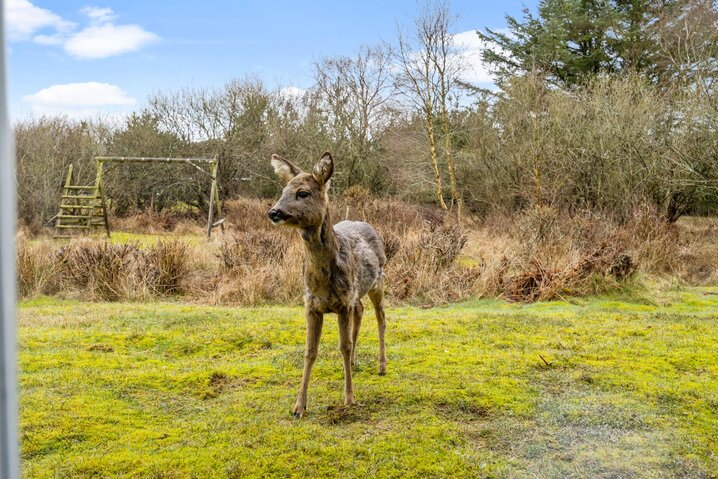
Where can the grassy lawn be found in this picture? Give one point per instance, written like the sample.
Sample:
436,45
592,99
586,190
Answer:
607,387
141,239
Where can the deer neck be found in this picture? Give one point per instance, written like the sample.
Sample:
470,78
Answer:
320,244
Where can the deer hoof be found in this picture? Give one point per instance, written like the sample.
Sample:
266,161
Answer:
382,370
298,412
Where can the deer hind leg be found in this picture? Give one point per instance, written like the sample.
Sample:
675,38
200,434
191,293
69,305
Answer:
376,296
314,331
345,346
356,324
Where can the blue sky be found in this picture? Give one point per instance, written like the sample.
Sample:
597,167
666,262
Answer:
89,57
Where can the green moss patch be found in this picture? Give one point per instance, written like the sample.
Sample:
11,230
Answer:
618,386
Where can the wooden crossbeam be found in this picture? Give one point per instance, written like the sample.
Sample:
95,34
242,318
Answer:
79,197
143,159
84,207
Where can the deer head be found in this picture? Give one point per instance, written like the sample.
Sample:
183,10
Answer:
305,198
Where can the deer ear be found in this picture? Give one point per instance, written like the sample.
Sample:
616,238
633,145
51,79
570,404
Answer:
285,169
323,169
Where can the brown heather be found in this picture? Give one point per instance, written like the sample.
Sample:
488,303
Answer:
540,254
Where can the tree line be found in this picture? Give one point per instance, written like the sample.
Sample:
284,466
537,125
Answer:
599,104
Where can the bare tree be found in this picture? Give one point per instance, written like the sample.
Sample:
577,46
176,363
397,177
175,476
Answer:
356,92
417,79
688,44
230,122
444,59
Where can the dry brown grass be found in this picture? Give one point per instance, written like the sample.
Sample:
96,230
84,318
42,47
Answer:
37,268
99,270
95,269
166,266
257,267
538,255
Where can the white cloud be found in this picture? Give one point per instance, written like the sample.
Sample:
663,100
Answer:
470,48
101,41
55,39
100,38
97,14
292,93
23,19
467,55
78,100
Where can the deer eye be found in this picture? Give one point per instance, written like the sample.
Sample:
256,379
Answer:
303,194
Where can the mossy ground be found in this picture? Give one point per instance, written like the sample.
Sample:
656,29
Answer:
122,237
607,387
141,239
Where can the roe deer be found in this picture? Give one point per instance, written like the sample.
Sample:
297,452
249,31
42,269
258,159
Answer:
342,263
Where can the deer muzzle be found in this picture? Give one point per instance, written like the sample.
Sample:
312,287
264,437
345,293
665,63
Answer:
278,216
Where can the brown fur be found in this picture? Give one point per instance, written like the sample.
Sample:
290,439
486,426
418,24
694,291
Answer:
343,263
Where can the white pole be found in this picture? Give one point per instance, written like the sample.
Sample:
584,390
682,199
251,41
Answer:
9,454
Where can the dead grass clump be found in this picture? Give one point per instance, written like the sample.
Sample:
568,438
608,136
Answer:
276,284
391,245
99,269
37,269
386,215
538,226
558,255
258,267
252,247
425,268
594,273
357,198
166,266
698,253
442,243
657,243
248,214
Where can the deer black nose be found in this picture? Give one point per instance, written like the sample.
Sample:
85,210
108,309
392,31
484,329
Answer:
276,214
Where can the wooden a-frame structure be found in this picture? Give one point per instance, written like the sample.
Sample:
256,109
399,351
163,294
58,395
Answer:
84,207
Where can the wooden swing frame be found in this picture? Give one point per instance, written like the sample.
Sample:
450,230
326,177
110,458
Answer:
87,211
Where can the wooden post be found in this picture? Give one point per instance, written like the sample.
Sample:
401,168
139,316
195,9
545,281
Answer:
68,179
101,194
216,195
212,194
68,183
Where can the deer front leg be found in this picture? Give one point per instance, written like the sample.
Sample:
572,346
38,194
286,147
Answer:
345,346
314,332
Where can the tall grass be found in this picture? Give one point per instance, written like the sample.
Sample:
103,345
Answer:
540,254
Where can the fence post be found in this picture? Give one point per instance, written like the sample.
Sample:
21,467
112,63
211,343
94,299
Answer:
212,193
9,454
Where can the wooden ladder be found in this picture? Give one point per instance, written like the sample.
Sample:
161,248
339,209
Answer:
82,208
